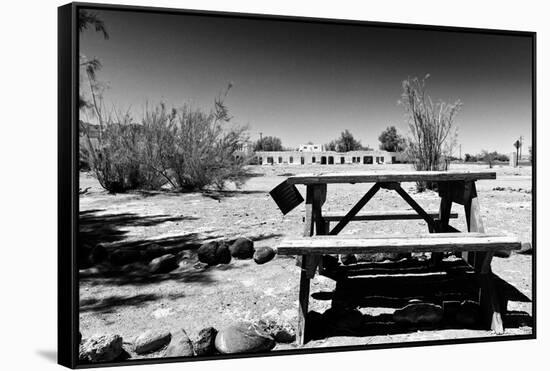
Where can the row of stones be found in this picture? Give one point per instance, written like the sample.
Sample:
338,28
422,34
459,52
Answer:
242,337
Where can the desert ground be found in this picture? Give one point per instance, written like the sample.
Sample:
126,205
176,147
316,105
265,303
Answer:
128,301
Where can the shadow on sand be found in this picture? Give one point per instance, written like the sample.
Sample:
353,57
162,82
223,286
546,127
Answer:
368,285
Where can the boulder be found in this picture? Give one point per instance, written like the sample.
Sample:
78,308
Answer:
124,256
100,348
151,340
180,346
134,268
242,248
163,264
88,255
204,343
214,253
380,257
154,251
419,313
526,249
348,259
264,254
243,337
281,332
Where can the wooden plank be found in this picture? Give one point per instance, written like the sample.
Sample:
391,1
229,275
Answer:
332,216
390,176
355,209
358,245
442,225
303,303
308,219
490,303
489,300
412,203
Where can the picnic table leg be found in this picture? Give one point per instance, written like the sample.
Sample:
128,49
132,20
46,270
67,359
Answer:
442,224
315,197
481,261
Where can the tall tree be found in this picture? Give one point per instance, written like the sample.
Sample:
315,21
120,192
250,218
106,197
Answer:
432,129
90,66
391,141
268,144
345,143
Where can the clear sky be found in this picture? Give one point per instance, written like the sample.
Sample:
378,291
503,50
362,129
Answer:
310,81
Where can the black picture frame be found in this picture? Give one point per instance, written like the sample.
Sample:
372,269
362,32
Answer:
68,182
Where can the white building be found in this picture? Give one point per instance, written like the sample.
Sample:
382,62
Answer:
311,148
328,157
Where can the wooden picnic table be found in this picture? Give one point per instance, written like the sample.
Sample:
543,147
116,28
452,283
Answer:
476,248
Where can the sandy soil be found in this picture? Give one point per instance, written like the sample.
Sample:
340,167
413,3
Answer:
193,297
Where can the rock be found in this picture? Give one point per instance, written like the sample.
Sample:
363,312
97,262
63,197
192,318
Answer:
526,249
180,346
163,264
243,337
503,253
124,256
242,248
88,256
151,340
214,253
154,251
282,332
380,257
264,254
348,259
468,314
134,268
419,313
100,348
204,344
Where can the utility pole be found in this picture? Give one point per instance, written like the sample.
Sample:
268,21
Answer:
517,144
460,152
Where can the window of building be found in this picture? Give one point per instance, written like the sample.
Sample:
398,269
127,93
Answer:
291,160
280,160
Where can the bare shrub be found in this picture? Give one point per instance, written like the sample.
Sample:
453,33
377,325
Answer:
431,126
204,147
185,148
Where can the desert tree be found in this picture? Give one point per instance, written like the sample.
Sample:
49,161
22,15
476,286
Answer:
391,141
431,125
89,20
345,143
269,143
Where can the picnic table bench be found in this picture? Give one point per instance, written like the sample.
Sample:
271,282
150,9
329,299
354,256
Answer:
476,247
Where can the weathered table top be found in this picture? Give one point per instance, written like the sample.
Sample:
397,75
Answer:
391,176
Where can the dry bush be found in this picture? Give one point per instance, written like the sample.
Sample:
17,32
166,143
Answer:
431,126
185,148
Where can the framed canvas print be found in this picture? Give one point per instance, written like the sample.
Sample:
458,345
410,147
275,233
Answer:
236,185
